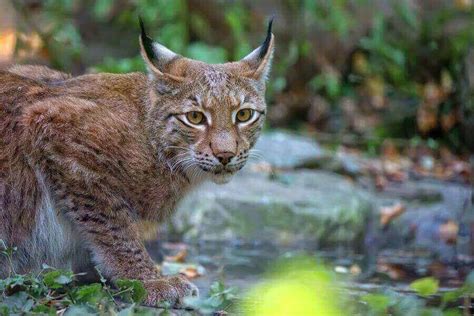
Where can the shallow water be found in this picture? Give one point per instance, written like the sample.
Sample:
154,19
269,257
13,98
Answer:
243,265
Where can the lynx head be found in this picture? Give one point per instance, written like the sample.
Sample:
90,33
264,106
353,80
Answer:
205,118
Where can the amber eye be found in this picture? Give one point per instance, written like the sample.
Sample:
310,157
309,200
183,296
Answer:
195,117
244,115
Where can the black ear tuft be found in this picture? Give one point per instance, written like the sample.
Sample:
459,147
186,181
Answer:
266,43
147,42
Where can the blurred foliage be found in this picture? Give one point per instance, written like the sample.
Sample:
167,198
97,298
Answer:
428,300
294,286
397,58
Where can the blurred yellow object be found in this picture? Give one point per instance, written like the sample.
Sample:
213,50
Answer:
375,88
360,63
7,44
298,288
463,4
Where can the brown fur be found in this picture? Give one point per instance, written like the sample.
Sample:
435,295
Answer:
84,161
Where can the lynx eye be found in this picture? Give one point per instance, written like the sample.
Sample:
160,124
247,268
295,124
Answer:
244,115
195,117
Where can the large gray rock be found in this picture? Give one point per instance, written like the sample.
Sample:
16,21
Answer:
288,208
421,225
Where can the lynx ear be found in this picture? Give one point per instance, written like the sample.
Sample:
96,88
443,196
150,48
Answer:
157,57
260,59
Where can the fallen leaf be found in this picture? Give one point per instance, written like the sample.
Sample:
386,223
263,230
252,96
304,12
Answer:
360,63
448,121
389,150
426,119
187,269
380,182
355,269
448,232
394,272
179,257
7,44
389,213
190,272
375,87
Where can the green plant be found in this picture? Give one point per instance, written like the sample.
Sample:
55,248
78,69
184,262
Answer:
52,291
424,302
220,299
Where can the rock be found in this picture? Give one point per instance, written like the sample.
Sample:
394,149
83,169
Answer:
286,150
432,206
412,191
286,209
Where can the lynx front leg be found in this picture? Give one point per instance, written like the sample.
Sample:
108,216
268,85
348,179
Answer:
113,239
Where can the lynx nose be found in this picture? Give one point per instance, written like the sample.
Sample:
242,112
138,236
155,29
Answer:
225,157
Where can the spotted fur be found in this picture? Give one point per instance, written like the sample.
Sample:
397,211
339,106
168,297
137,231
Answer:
85,161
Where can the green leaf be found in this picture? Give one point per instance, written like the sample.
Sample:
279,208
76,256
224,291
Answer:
80,310
451,296
377,302
92,293
102,8
452,312
4,309
216,288
132,290
43,310
57,279
469,283
17,301
425,286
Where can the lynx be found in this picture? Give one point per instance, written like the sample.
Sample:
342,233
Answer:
86,161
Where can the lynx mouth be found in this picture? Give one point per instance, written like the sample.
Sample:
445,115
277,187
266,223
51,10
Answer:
223,172
222,177
219,175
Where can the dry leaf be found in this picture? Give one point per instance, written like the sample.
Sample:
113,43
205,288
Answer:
389,213
448,231
426,119
355,269
7,44
432,95
179,257
448,121
380,182
394,271
190,272
390,151
375,88
360,63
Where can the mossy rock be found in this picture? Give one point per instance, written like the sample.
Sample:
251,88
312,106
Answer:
292,207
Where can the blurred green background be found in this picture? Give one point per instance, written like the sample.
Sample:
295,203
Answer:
372,69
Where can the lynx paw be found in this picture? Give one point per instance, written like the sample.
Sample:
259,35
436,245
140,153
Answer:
170,289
